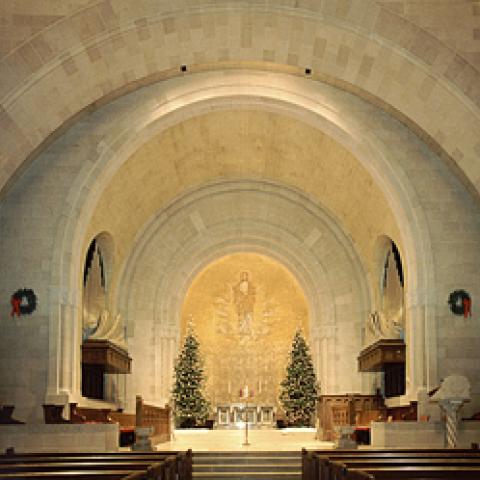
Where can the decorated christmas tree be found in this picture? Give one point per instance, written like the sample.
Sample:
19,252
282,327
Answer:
298,394
190,406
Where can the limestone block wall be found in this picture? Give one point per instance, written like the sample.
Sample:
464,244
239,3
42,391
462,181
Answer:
60,438
30,348
457,24
23,358
39,352
22,20
421,435
454,23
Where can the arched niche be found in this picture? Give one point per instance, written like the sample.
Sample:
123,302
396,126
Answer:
387,326
98,265
245,309
388,313
104,358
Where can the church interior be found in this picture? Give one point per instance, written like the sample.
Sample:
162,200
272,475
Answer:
247,173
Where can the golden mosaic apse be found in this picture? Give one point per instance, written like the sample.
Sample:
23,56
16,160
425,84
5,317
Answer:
245,309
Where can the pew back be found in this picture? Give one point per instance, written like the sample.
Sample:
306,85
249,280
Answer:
138,465
335,465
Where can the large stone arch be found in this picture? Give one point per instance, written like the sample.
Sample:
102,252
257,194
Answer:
396,159
171,253
367,132
105,49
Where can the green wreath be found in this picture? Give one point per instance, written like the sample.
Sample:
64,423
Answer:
18,304
456,300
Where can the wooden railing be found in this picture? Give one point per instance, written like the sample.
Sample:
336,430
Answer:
349,409
145,416
156,417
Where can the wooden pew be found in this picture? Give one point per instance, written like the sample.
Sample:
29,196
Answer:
358,475
366,464
135,466
340,471
184,459
315,464
83,457
309,456
82,465
77,475
135,476
158,471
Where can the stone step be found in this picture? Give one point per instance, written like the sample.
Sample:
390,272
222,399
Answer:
245,460
245,467
248,476
229,455
233,453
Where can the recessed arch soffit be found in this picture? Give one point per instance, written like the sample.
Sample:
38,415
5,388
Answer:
245,143
109,48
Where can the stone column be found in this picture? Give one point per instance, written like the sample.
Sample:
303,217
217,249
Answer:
70,352
454,391
65,364
166,353
451,408
64,356
415,349
143,443
327,373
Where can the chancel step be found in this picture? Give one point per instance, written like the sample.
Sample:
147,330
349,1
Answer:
248,465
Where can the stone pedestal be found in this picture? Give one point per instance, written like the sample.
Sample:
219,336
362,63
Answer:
142,439
345,440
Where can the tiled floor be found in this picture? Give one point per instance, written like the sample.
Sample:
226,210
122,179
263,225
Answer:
233,440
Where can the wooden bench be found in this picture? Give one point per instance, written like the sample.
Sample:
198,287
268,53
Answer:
78,474
316,464
164,470
340,471
157,466
82,457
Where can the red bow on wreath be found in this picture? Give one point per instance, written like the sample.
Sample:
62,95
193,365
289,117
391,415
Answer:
15,302
467,307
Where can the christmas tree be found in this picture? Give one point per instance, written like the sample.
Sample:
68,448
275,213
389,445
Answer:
190,406
298,394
